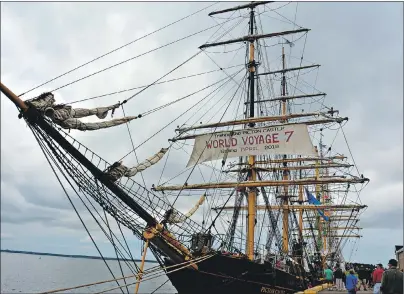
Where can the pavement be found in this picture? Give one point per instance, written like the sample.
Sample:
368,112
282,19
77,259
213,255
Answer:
328,291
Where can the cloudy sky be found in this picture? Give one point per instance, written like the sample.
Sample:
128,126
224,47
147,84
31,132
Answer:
359,45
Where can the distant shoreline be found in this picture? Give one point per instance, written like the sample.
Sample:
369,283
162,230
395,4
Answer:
70,256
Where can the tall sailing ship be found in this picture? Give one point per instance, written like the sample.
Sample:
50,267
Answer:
272,219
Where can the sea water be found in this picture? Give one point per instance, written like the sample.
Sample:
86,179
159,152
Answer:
25,273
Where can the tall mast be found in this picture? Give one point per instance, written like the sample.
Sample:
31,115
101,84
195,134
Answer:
324,225
285,215
252,194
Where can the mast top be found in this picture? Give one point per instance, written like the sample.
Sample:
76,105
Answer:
251,38
251,5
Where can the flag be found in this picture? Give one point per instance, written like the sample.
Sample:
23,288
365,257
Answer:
313,200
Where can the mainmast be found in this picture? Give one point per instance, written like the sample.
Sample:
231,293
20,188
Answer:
252,175
285,212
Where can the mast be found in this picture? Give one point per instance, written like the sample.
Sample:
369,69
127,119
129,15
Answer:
252,194
324,225
285,212
300,211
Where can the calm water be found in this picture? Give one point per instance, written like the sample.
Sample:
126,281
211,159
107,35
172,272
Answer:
24,273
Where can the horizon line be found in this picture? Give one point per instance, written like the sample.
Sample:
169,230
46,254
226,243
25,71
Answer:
71,255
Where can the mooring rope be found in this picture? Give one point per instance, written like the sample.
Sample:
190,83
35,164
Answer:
156,276
146,272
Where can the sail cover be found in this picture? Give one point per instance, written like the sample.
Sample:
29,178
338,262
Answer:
288,139
175,218
118,170
68,117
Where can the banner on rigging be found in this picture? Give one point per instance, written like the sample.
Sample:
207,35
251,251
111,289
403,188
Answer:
288,139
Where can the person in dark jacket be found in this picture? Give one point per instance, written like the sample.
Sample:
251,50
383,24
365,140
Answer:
338,274
392,280
362,275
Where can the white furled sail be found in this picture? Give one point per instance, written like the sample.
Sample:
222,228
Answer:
287,139
174,218
118,170
68,118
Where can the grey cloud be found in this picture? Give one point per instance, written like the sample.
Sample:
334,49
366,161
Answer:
359,49
383,219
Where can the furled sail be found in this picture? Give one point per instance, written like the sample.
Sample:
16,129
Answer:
68,117
118,170
174,217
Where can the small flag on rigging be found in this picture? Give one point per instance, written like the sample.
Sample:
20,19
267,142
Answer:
314,201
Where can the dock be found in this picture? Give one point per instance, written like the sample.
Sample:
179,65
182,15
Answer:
327,289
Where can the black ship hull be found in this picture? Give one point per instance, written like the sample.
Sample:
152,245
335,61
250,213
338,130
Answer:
226,274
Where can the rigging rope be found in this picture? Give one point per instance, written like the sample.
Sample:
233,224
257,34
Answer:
179,99
158,83
116,49
148,271
159,275
103,230
71,202
177,67
193,168
148,139
134,57
115,249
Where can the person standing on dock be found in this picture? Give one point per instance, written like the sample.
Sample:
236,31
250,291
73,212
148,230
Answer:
338,274
328,274
362,274
351,281
377,278
392,280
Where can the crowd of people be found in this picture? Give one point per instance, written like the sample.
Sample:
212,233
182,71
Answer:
356,277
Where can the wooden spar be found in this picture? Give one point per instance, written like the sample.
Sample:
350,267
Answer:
250,5
338,228
263,212
336,218
285,200
339,236
252,194
249,120
252,38
326,177
139,277
277,168
284,70
309,123
270,161
255,184
289,98
14,98
336,207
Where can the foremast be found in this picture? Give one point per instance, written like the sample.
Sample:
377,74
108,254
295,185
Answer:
285,200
